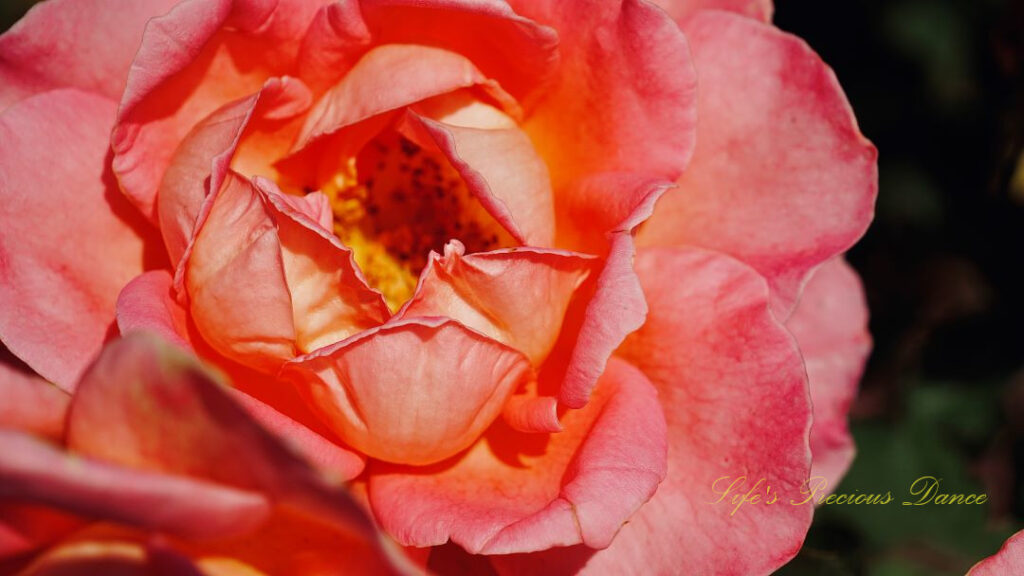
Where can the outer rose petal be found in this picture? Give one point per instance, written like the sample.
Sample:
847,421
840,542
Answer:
680,10
1009,560
92,553
831,326
782,178
626,95
293,544
413,391
617,306
514,492
517,297
31,404
68,240
36,472
86,44
27,527
147,405
146,304
201,55
735,396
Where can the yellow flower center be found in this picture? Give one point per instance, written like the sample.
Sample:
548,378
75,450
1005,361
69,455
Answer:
395,202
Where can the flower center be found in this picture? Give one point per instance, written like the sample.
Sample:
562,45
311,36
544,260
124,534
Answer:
395,202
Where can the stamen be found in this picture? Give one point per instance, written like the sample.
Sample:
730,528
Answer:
395,203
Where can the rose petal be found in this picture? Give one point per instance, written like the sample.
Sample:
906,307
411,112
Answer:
496,161
519,493
831,326
411,391
31,404
147,405
27,527
201,55
293,544
330,298
148,303
617,306
301,278
1009,559
386,79
88,555
516,52
518,297
324,454
68,240
216,143
782,178
732,384
238,246
86,44
35,472
626,95
680,10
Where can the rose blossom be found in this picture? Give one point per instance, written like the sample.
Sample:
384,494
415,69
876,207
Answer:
420,239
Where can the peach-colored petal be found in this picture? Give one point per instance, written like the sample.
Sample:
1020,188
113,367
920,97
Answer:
386,79
1008,561
782,178
412,391
830,324
732,384
203,158
235,268
148,303
255,252
330,298
617,305
517,53
496,160
518,493
86,44
625,98
33,471
517,296
680,10
31,404
201,55
68,240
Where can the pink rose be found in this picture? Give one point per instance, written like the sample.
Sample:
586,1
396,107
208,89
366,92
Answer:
420,239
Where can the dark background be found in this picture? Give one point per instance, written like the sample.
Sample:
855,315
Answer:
938,85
